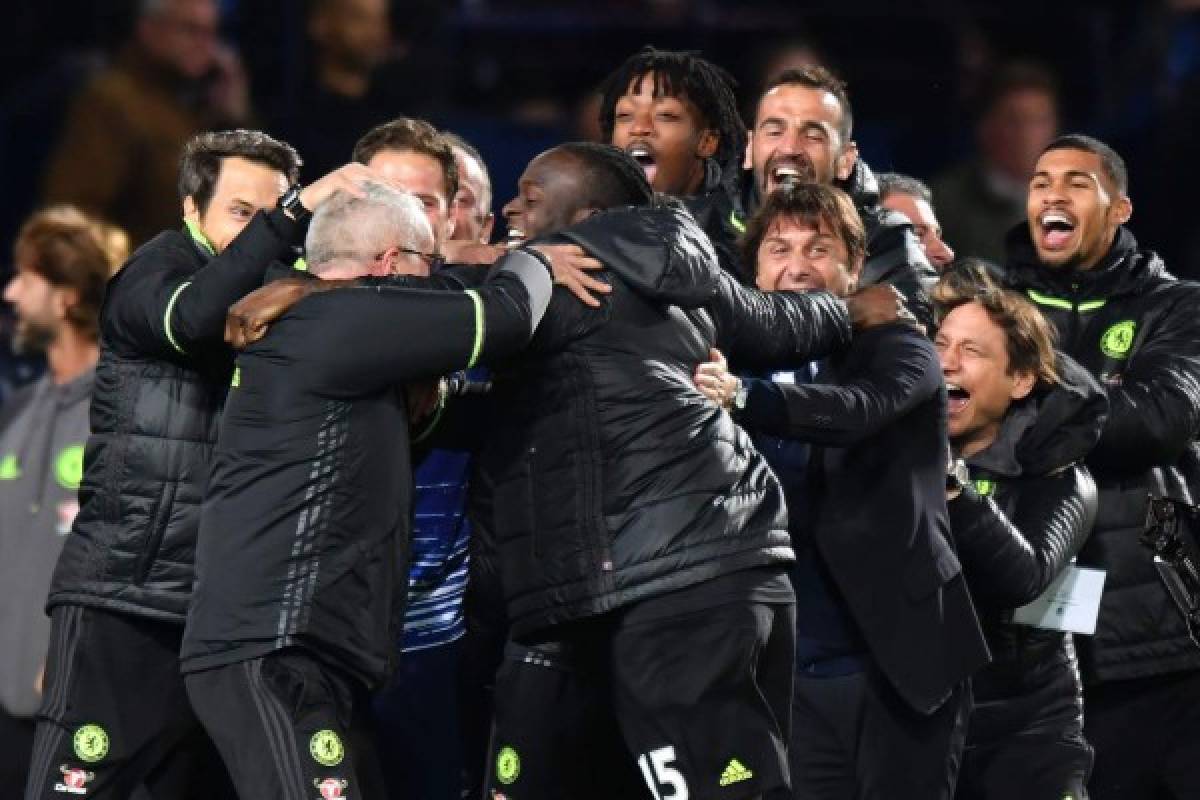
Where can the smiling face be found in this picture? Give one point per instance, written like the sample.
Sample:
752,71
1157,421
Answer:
796,139
547,198
242,188
980,383
664,134
1074,209
796,256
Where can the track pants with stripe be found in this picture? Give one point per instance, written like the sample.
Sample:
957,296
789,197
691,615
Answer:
115,721
289,727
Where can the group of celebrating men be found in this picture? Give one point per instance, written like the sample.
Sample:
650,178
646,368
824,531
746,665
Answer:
758,475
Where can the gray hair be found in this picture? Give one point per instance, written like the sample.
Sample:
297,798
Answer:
896,183
348,228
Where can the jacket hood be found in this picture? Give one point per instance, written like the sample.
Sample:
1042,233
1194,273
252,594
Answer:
1125,269
659,251
1056,426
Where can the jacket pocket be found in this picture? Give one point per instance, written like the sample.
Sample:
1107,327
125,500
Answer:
156,528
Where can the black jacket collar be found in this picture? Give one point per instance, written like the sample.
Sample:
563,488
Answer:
1125,269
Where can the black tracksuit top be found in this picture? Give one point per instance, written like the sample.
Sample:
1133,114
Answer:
304,530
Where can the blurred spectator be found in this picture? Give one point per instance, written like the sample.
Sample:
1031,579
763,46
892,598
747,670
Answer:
119,152
342,94
62,266
984,197
913,199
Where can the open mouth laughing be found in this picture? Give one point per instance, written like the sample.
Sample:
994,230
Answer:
1056,229
787,170
644,155
957,398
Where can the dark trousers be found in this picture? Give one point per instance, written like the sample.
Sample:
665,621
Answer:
1146,734
289,728
854,738
115,714
416,726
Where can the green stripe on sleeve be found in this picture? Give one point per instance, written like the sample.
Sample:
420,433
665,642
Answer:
1047,300
477,349
167,315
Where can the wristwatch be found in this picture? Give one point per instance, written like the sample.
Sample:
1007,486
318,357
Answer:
958,475
740,396
291,205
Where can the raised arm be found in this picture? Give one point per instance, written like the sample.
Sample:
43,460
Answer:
167,310
1009,562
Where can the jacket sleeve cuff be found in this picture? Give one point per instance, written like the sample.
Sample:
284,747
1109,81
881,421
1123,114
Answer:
765,407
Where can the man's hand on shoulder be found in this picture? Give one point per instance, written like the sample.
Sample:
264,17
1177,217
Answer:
570,266
880,304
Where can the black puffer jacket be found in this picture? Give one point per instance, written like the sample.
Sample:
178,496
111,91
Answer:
160,385
1130,324
615,479
1030,509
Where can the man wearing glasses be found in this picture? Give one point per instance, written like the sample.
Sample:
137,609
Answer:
307,514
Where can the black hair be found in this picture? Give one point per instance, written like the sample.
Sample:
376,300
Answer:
200,164
686,75
897,183
611,176
1110,160
814,76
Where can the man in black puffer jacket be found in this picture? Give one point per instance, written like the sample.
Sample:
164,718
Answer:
802,133
1023,420
642,542
1129,323
114,707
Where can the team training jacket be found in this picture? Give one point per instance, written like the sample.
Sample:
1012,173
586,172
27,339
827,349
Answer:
305,528
1027,512
1136,329
160,383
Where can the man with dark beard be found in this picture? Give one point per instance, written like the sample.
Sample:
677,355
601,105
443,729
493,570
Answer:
802,133
61,269
1125,319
